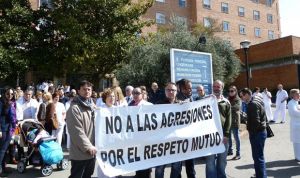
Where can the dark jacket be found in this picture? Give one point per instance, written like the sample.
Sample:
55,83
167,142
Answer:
236,105
155,97
225,115
8,119
257,119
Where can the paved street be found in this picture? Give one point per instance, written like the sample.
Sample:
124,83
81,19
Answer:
278,151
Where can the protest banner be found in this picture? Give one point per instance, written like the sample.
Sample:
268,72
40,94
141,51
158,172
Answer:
140,137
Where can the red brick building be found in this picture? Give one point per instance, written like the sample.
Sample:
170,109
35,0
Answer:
255,20
272,62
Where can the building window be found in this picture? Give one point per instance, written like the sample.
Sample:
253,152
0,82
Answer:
241,11
182,3
270,18
271,34
256,15
206,22
160,0
269,2
45,3
242,29
257,32
224,7
160,18
207,4
181,20
225,26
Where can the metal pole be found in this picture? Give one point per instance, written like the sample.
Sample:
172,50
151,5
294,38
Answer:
247,68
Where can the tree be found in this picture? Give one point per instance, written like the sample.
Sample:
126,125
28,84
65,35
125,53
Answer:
88,36
151,55
16,17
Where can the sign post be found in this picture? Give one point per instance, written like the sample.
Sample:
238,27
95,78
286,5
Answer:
195,66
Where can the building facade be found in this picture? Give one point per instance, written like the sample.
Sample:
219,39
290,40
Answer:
255,20
271,63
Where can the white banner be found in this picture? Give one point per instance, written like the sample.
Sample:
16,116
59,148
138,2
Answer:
140,137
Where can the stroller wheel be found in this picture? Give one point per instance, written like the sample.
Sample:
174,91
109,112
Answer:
64,164
47,170
21,167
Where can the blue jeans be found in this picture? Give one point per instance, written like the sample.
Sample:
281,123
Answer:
216,164
4,143
175,170
236,135
257,141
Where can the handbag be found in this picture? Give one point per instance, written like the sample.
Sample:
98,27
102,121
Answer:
269,131
55,124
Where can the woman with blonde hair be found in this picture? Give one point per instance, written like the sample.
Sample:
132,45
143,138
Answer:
294,112
119,97
108,97
47,98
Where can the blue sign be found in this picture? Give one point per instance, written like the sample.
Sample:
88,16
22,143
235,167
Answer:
195,66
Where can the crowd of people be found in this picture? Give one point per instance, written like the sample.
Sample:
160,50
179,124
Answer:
73,112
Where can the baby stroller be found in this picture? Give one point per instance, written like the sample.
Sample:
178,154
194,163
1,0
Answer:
42,149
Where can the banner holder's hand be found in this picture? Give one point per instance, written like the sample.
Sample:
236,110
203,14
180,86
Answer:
92,151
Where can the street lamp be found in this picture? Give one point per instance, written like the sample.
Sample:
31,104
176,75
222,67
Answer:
245,45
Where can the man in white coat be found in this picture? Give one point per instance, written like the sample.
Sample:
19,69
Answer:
281,98
28,107
294,112
266,95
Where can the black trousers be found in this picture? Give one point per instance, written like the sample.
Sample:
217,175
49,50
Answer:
82,168
143,173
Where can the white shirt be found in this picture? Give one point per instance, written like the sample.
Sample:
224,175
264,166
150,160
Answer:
281,95
267,98
28,108
294,112
60,111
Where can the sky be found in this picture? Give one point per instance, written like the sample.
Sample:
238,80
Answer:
289,17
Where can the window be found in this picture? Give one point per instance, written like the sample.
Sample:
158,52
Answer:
207,4
225,26
47,3
206,22
269,2
256,15
182,3
271,35
182,20
257,32
160,0
270,18
242,29
160,18
224,7
256,1
241,11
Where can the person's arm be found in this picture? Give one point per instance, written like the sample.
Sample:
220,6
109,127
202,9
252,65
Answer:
76,131
227,124
286,96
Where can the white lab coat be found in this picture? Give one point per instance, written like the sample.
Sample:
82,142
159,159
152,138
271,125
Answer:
294,112
280,107
267,103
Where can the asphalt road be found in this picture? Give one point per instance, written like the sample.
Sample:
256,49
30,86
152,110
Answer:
278,154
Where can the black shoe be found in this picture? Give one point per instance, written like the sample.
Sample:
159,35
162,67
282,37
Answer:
229,153
272,121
